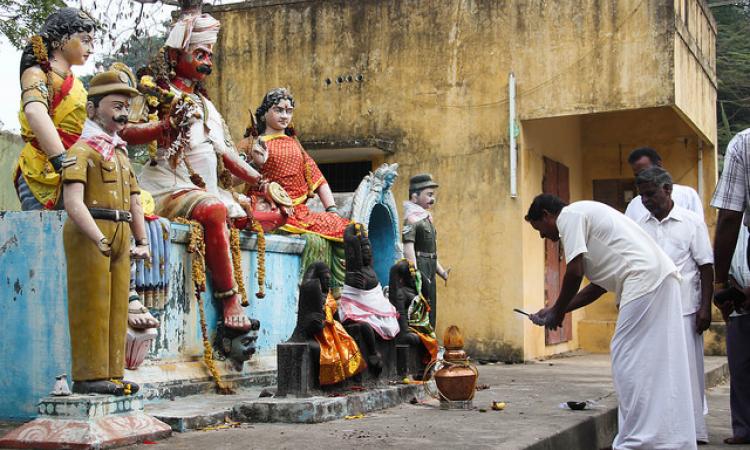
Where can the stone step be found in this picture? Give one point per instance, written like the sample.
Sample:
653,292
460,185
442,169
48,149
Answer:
206,410
195,412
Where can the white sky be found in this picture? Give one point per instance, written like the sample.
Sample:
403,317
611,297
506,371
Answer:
10,89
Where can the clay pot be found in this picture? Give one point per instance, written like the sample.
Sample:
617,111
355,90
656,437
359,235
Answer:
456,382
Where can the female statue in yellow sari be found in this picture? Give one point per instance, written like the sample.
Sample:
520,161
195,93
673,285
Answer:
53,104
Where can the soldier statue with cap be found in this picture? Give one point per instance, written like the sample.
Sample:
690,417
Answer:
102,200
420,237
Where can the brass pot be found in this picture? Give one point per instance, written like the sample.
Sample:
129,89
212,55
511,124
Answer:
457,382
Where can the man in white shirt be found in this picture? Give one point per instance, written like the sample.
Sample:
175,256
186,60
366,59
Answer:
649,355
683,236
684,196
732,198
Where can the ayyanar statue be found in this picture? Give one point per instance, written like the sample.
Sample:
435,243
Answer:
102,199
286,163
420,237
195,164
53,104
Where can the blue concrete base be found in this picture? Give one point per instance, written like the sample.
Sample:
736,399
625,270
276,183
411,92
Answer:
33,311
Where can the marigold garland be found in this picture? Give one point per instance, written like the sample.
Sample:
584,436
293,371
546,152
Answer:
239,279
42,58
261,259
197,247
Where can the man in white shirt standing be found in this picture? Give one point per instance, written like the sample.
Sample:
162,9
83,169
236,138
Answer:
684,196
649,355
683,236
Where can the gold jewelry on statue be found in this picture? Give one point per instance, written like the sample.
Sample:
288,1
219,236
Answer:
720,285
225,294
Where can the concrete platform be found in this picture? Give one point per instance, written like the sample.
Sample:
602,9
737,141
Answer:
86,422
198,412
532,418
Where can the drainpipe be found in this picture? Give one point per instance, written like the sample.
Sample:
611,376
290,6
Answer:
700,169
513,156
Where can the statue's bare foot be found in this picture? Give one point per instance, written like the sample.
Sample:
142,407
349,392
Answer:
139,317
234,315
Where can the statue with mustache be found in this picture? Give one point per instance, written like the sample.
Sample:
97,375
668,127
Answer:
420,237
102,199
194,164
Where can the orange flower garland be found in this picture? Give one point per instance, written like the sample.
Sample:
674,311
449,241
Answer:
197,248
239,279
261,259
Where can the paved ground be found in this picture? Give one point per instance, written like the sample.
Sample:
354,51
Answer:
532,418
719,424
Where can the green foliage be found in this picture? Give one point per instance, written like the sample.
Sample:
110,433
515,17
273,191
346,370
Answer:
733,70
136,52
20,19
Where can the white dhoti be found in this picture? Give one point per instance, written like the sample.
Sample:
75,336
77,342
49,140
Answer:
697,377
651,373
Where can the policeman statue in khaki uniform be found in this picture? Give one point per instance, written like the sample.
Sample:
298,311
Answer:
420,237
103,204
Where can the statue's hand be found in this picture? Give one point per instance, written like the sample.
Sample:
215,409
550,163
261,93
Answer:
104,246
140,252
314,323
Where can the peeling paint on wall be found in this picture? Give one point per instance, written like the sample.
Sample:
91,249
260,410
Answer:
34,326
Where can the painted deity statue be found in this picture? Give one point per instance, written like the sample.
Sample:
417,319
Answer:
420,237
335,354
101,197
288,164
195,164
53,104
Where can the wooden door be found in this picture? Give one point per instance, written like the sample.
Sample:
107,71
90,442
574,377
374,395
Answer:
555,181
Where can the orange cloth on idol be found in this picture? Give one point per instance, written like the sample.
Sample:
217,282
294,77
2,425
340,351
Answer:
340,357
289,165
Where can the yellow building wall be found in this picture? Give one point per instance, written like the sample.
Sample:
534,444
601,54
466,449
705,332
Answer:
558,139
434,81
607,140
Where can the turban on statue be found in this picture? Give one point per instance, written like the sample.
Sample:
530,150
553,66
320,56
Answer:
195,30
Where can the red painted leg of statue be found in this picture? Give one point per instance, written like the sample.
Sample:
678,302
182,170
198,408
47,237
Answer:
212,214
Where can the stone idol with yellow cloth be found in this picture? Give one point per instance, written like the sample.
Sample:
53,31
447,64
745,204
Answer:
334,355
53,104
102,200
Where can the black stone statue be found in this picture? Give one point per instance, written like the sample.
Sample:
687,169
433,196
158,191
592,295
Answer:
360,274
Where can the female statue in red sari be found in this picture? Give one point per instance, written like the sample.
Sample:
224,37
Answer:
287,163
